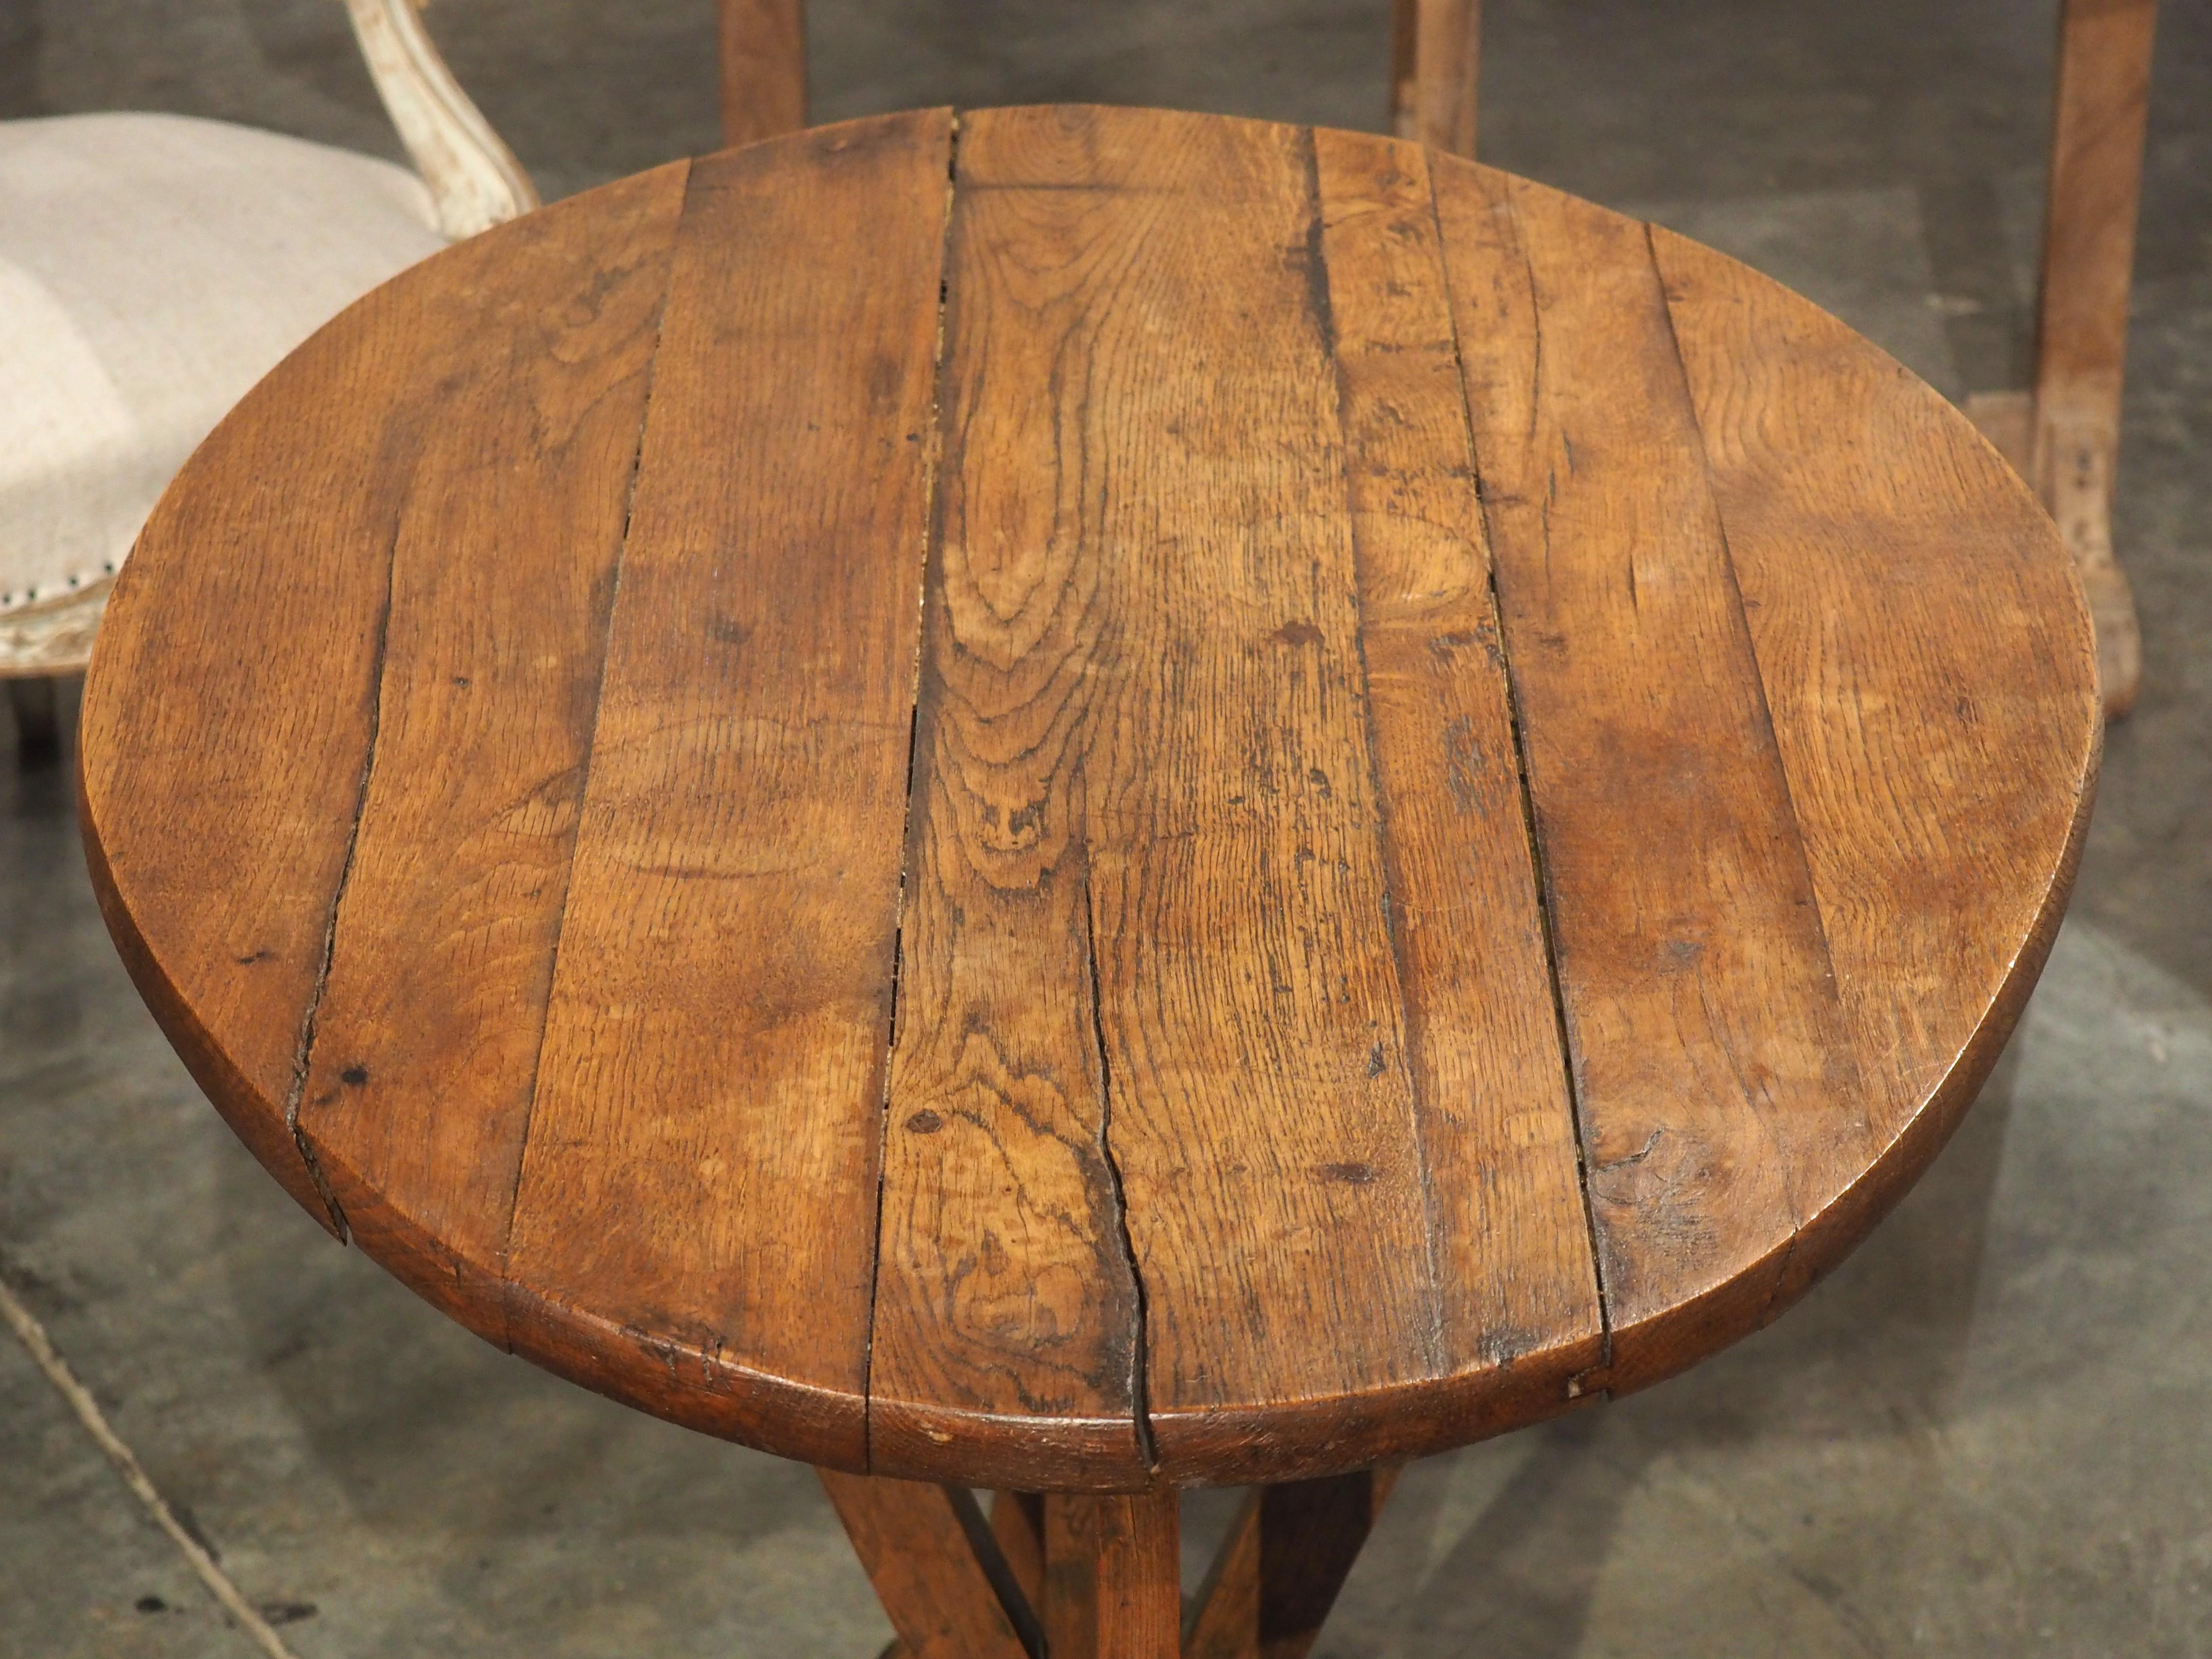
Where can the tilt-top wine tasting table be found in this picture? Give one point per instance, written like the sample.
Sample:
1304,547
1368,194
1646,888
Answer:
1082,801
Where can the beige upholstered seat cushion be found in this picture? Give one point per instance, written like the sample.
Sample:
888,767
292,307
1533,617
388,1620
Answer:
152,269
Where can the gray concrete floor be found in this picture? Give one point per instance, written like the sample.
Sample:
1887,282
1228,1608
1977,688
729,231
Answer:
1988,1433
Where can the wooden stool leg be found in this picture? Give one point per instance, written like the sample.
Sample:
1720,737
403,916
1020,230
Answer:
1113,1585
1282,1565
763,53
936,1568
2082,323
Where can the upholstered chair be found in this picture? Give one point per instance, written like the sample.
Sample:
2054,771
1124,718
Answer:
152,269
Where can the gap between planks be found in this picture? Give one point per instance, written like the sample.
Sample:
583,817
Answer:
1539,866
1139,1358
933,464
1799,1219
591,749
303,1057
1415,1027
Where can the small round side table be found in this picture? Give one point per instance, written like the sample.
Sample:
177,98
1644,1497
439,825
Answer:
1081,801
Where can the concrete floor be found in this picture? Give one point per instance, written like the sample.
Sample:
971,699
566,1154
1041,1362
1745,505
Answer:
1987,1433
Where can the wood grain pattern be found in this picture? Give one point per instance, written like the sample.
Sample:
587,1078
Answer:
1718,1096
763,52
699,1186
1033,807
1004,1286
1907,645
1280,1570
457,872
920,1545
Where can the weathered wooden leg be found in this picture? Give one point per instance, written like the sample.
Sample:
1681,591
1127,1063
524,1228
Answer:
763,51
936,1568
1282,1565
1404,53
37,718
1113,1583
1436,52
2082,323
1018,1523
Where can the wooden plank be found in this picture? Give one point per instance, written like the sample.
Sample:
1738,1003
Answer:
713,1066
1113,1563
1515,1272
1004,1286
1148,911
284,518
918,1544
425,1039
1279,1571
1929,672
762,47
1716,1096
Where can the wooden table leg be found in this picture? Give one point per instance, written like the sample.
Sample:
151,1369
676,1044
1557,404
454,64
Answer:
1099,1575
1113,1584
936,1568
1282,1565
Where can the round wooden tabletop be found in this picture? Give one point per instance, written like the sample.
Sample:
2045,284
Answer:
1077,797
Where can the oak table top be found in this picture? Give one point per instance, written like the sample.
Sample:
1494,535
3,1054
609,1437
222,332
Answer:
1077,798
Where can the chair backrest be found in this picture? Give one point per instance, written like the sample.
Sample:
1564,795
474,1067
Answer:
474,178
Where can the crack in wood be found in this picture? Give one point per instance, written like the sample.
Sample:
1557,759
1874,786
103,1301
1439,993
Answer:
1545,897
1139,1359
303,1057
910,831
584,768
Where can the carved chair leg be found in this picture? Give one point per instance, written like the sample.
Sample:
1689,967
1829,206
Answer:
1280,1569
2082,322
1113,1584
935,1567
37,718
763,53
